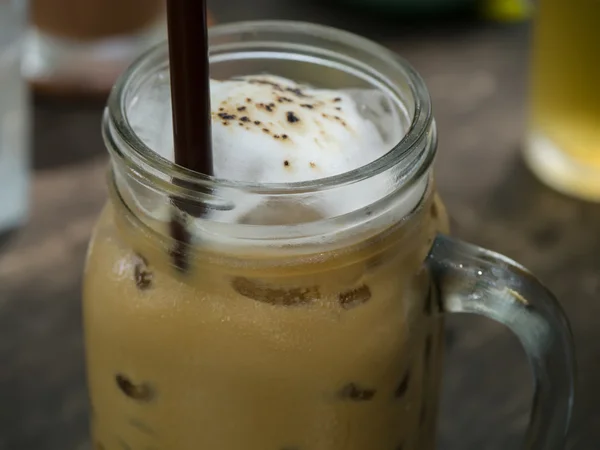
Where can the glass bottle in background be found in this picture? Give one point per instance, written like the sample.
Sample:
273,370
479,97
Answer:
81,46
563,141
14,118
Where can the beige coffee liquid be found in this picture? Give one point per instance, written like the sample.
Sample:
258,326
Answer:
336,352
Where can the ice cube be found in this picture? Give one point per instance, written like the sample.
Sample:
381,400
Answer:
278,296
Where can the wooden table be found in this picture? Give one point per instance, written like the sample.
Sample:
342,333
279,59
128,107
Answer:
477,77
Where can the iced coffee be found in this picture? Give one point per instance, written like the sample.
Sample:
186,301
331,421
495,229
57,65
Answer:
291,305
269,343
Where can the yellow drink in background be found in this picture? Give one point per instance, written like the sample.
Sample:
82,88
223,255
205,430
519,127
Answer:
563,145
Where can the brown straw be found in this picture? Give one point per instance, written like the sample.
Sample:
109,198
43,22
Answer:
190,93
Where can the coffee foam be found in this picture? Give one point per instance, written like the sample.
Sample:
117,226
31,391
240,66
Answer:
268,129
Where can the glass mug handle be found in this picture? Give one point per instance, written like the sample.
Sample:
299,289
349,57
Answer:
471,279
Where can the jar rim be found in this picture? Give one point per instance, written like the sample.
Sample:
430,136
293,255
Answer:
129,148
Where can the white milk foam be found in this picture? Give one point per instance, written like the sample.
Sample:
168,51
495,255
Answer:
269,129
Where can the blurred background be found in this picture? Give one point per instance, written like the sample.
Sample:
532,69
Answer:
516,98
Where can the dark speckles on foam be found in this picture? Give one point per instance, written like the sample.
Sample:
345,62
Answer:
270,107
227,116
340,120
292,117
242,113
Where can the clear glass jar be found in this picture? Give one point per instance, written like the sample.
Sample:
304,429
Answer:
313,321
14,119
